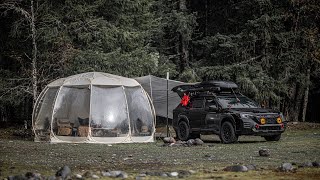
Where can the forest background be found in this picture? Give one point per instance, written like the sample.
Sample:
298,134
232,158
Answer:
270,48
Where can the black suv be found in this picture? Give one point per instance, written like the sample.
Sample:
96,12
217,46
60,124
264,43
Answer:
214,107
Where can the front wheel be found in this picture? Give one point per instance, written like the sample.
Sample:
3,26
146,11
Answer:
227,133
273,138
183,131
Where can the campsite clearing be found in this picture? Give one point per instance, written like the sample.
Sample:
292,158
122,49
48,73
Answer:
297,145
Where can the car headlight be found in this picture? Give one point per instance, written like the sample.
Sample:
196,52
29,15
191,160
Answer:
282,117
250,116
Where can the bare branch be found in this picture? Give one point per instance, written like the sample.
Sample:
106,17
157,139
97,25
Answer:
11,6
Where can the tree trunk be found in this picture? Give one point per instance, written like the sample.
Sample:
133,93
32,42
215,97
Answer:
206,25
293,114
306,95
34,55
184,52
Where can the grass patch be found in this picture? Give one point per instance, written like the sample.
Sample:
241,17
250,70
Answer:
296,146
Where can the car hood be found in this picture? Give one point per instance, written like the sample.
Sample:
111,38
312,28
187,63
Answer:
252,110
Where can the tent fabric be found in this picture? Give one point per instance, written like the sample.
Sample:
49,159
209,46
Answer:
157,89
94,107
94,78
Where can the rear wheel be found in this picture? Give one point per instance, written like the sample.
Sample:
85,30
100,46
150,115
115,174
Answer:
183,131
227,133
273,138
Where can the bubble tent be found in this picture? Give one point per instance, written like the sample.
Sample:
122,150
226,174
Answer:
94,107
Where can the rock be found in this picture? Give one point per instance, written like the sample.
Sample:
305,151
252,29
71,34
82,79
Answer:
207,156
51,178
236,168
181,142
169,140
173,174
115,173
118,174
123,175
306,164
78,176
95,177
286,167
154,173
191,142
164,174
17,177
38,176
316,164
105,174
264,152
64,172
192,171
142,175
175,145
198,142
251,167
29,175
184,174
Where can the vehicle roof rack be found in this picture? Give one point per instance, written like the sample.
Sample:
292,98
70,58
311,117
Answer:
222,84
205,87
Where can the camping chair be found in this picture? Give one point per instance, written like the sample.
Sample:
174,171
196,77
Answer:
64,127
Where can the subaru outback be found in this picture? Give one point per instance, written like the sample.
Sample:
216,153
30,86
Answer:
214,107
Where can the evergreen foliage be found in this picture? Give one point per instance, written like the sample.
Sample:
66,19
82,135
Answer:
270,48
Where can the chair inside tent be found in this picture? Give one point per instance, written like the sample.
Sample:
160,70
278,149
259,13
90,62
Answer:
94,107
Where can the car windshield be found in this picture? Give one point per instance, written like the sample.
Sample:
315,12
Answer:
237,102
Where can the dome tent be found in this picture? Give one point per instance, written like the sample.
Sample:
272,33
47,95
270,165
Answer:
94,107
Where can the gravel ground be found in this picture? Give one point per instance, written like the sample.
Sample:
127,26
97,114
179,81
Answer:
297,146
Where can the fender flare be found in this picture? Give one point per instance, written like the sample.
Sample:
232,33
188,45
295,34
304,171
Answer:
228,117
182,117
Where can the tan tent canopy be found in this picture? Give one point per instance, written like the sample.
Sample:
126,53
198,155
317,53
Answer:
94,107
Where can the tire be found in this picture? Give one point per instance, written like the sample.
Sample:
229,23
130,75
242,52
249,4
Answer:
183,131
273,138
227,133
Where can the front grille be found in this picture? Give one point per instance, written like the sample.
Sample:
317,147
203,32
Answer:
270,118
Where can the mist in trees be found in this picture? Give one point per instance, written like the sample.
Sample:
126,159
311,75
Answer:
270,48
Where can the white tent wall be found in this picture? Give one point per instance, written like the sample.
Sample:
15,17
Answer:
157,89
94,108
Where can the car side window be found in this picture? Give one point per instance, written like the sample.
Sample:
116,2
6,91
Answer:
210,102
197,103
